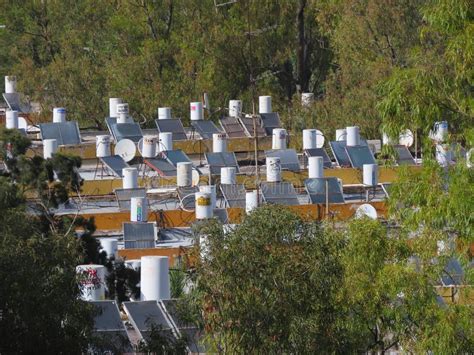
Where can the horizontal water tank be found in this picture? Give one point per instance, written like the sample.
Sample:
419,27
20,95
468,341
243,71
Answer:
164,113
113,102
10,84
91,281
273,169
265,104
11,119
228,175
184,174
353,136
341,134
219,142
370,174
110,246
210,189
154,278
196,111
130,178
279,136
50,147
203,205
59,114
102,146
307,99
235,108
165,141
251,201
315,167
138,209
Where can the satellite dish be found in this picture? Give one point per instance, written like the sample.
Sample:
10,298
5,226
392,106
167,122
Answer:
319,139
126,149
366,210
195,177
22,124
470,158
406,138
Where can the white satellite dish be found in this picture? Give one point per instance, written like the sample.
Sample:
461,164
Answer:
406,138
319,139
22,124
366,210
470,158
126,149
195,177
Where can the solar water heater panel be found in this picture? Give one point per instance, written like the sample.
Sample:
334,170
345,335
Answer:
270,121
232,127
115,164
248,125
138,235
174,126
161,166
124,196
403,155
234,195
319,152
282,193
64,132
360,155
205,128
187,196
288,158
175,156
130,131
318,187
216,161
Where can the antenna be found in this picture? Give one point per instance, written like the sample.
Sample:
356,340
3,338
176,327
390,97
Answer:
406,138
126,149
366,210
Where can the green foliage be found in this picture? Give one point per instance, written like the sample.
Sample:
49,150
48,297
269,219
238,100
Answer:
122,281
162,342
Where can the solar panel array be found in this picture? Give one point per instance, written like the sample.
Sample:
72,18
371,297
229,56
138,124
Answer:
282,193
216,161
115,164
270,121
175,156
14,102
130,131
137,235
319,152
339,151
64,132
288,158
232,127
108,327
234,195
248,125
360,155
205,128
318,188
161,166
174,126
123,197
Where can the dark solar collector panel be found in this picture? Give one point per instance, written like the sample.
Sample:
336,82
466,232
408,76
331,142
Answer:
175,156
232,127
123,197
115,164
248,125
216,161
161,166
360,155
282,193
13,101
130,131
319,152
205,128
403,155
138,235
288,158
234,195
316,189
338,149
174,126
64,132
270,121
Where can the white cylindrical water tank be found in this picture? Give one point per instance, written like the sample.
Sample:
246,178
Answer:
273,169
11,119
235,108
441,131
154,278
315,167
149,147
443,154
164,113
138,209
265,104
210,189
228,175
91,280
251,201
307,99
165,141
370,174
10,84
219,142
279,138
59,114
122,112
102,146
353,136
50,147
130,178
113,102
203,205
110,246
309,138
196,113
184,174
341,134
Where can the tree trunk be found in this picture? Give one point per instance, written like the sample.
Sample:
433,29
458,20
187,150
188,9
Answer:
302,55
